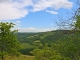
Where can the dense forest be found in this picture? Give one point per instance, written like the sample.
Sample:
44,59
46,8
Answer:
59,44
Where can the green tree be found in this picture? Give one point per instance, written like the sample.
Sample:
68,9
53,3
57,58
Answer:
46,53
9,45
69,46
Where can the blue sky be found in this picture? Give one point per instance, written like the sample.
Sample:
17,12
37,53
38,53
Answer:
34,15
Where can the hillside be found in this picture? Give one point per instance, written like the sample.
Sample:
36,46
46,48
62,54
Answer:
41,37
31,40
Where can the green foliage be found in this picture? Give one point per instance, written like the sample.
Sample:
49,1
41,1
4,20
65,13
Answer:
26,48
54,36
45,34
46,53
8,41
28,37
36,39
62,45
69,46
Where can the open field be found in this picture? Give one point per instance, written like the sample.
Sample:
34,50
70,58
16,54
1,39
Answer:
22,57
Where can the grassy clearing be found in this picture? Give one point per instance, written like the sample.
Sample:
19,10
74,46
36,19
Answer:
22,57
46,34
27,45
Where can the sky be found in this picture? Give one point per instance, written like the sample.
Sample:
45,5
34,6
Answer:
34,15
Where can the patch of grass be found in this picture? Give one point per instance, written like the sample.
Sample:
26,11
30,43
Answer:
46,34
27,45
22,57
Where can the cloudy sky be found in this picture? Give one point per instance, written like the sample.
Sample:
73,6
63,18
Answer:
34,15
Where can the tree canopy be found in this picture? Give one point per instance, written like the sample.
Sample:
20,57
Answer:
9,45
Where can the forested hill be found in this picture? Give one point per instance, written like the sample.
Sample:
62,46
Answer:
42,37
60,37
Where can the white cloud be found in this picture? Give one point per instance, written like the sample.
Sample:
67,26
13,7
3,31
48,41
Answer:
56,4
13,10
4,0
31,29
16,9
52,12
18,24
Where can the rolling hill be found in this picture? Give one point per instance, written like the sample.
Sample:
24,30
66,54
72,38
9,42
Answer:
31,40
